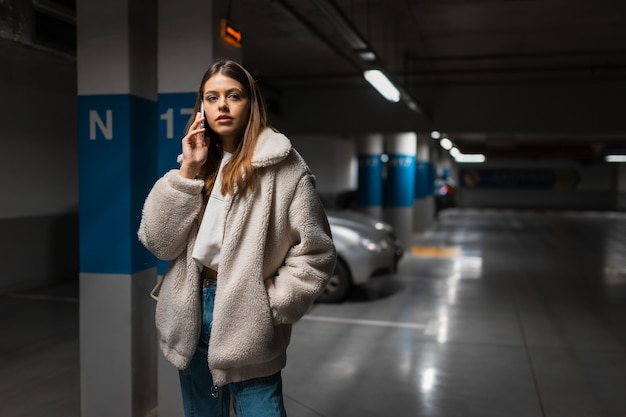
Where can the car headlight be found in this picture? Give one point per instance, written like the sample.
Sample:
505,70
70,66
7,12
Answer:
383,226
372,245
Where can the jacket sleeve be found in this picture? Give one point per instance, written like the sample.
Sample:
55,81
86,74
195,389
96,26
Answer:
169,212
309,262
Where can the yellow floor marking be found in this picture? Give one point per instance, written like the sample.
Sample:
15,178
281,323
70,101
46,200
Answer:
436,251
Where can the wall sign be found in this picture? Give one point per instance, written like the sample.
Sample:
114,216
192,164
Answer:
519,178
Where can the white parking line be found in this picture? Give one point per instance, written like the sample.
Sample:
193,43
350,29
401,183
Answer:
327,319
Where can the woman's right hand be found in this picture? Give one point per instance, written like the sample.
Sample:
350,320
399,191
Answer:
195,149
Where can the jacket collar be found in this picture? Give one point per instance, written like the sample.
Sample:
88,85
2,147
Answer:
271,148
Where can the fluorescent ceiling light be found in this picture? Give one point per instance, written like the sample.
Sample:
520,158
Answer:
446,144
381,83
615,158
435,134
470,158
360,46
366,55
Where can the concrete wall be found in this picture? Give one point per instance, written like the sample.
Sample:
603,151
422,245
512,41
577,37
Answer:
333,161
545,184
39,169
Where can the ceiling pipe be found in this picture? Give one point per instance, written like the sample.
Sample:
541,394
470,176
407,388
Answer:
56,9
291,11
361,46
498,57
583,70
346,28
342,23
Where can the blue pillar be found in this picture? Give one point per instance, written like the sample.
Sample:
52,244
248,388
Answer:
370,177
400,183
189,42
116,60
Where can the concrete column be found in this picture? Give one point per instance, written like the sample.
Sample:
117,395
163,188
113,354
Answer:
117,127
399,186
424,203
620,199
370,179
447,169
189,42
443,163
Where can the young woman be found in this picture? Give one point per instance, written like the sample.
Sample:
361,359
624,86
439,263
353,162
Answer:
249,245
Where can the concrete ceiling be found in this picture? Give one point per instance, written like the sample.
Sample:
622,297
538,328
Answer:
293,41
295,44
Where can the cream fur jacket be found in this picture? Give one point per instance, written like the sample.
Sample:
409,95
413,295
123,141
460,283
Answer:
277,256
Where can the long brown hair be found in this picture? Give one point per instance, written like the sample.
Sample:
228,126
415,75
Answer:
237,174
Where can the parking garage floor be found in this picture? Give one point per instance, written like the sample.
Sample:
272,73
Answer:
491,314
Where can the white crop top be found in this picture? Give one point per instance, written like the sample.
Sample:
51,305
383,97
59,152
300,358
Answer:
206,251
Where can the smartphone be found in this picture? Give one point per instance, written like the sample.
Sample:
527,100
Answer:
202,113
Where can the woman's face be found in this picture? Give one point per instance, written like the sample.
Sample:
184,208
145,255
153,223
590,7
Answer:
226,108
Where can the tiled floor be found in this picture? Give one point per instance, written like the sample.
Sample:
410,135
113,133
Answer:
492,314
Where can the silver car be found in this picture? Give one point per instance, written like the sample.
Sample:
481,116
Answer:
366,247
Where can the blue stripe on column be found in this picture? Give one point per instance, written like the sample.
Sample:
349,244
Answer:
431,180
422,179
174,110
369,191
400,183
116,149
143,162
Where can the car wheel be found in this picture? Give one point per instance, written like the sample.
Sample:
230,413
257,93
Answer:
339,286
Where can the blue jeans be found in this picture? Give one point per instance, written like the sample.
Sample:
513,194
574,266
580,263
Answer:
257,397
